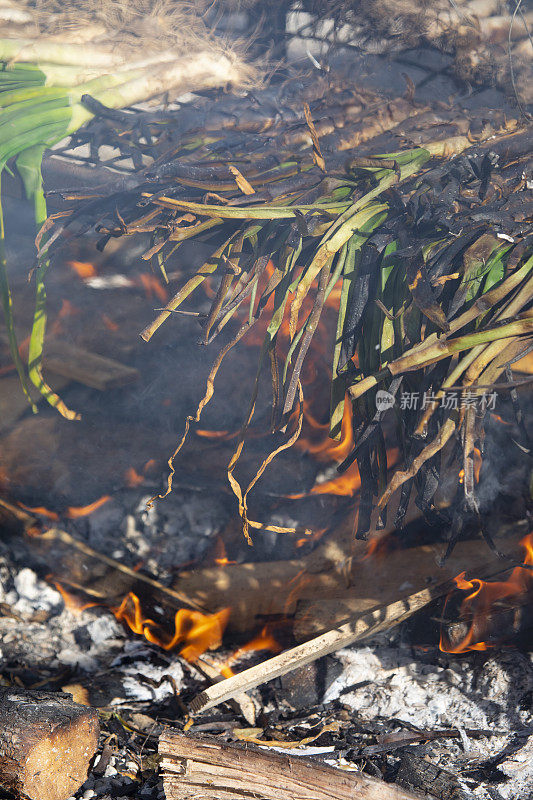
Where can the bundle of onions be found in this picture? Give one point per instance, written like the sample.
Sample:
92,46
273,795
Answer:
123,54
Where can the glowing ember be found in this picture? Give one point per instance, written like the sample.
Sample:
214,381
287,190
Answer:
108,322
83,269
478,463
75,512
152,287
483,596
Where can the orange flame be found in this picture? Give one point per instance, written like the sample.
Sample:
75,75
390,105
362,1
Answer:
67,310
75,512
327,449
42,511
497,418
345,485
478,462
220,554
265,640
83,269
72,603
214,434
483,595
311,536
152,287
196,631
379,546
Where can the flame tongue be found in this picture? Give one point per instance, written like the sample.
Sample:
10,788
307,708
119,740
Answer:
483,598
75,512
197,632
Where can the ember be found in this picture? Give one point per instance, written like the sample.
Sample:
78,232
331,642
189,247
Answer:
83,269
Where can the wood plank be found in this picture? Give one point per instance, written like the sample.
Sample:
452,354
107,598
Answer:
95,371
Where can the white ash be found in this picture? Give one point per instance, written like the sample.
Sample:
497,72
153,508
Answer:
393,683
134,534
52,635
31,594
188,520
136,689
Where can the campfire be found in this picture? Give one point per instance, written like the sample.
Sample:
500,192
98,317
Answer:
265,481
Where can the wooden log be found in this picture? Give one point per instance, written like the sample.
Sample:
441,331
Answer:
203,766
331,584
46,743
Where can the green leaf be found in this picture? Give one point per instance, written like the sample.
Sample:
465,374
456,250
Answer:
28,164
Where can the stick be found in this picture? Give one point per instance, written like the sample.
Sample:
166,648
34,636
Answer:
352,631
204,767
46,743
305,653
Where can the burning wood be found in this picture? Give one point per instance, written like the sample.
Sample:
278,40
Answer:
487,604
46,743
203,765
341,636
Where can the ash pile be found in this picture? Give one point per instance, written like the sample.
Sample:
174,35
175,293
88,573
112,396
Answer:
360,227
